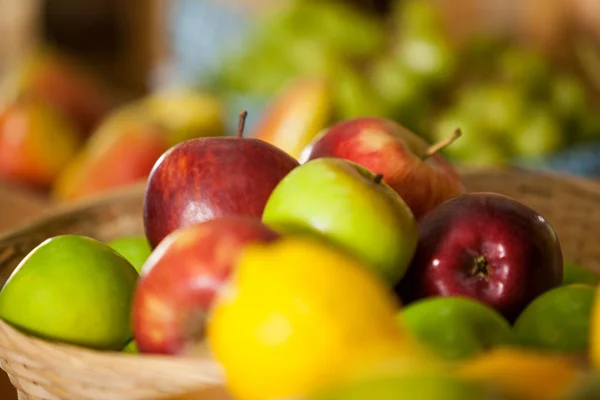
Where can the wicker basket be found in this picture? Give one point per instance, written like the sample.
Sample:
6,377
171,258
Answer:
42,370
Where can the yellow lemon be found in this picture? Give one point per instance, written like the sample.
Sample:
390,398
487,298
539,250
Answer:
524,374
298,315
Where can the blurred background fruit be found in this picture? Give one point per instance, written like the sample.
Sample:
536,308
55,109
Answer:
522,85
35,143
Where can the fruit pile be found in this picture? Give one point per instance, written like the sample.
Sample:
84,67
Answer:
512,102
364,271
64,132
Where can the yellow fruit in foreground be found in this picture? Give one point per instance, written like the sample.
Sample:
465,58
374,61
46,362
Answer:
595,332
524,374
299,315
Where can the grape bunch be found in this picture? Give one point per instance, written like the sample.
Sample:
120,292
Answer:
511,102
520,107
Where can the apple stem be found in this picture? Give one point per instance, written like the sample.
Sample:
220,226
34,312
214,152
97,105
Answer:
378,178
242,123
435,148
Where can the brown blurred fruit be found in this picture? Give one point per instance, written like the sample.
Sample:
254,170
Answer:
121,152
55,79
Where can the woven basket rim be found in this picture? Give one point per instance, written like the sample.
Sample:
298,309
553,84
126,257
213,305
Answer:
214,372
60,210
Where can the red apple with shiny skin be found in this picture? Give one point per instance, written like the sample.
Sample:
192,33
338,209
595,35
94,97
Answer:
211,177
485,246
181,278
422,179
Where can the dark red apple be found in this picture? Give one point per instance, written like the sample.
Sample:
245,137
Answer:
210,177
485,246
181,278
408,163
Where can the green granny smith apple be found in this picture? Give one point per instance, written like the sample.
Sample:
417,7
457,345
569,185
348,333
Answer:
574,273
558,320
417,386
350,207
456,328
72,289
135,249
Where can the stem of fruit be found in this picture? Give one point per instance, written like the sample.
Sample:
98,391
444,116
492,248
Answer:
242,123
480,269
378,178
435,148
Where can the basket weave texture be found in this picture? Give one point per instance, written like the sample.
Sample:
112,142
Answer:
42,370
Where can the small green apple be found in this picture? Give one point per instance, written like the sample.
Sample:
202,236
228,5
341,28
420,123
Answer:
72,289
574,273
134,249
412,386
131,348
558,320
456,328
350,207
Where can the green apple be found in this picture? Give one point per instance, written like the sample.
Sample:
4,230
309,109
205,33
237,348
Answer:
134,249
131,347
348,206
72,289
456,328
412,386
558,320
574,273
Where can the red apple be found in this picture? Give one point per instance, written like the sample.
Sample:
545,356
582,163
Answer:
205,178
485,246
408,163
182,276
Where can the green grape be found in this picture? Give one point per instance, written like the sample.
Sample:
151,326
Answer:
588,126
568,96
339,25
427,56
355,98
538,135
416,17
474,147
496,107
312,57
397,85
525,68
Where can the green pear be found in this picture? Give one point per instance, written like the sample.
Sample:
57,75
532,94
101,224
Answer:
456,328
134,249
72,289
558,320
351,208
